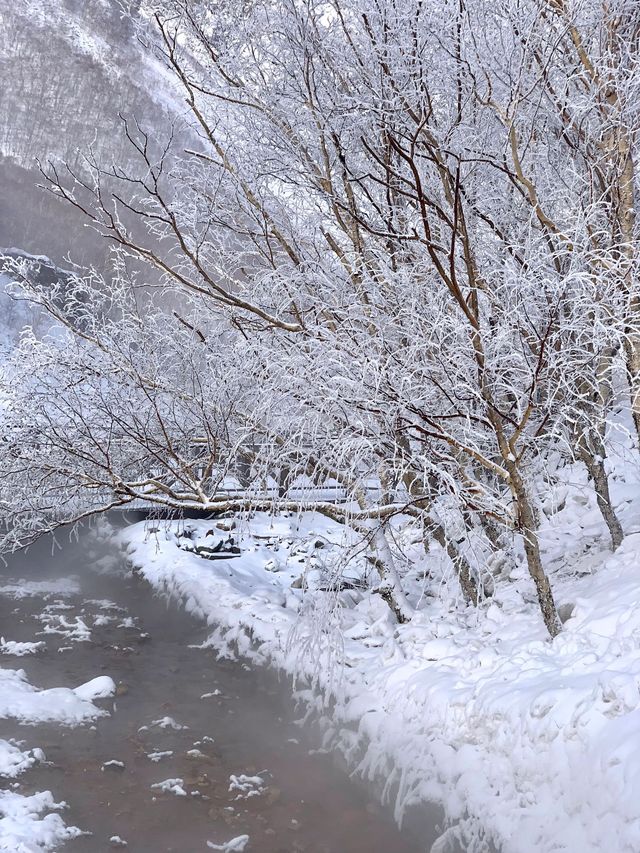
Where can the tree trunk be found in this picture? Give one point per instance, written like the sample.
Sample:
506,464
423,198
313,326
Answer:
594,463
589,435
461,565
381,558
632,352
621,152
284,480
390,587
528,528
626,215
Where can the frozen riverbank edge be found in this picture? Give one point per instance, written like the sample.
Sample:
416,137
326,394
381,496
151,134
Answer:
531,744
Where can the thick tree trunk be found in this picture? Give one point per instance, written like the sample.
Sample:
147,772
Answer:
528,527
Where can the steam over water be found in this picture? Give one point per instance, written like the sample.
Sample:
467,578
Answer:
221,736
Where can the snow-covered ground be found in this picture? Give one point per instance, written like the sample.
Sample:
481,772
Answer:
31,822
531,743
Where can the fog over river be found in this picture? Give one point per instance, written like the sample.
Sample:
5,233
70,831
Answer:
193,749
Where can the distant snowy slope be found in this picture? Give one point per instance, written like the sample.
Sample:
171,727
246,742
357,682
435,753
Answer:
70,69
73,66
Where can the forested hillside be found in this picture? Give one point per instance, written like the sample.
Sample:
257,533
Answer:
70,68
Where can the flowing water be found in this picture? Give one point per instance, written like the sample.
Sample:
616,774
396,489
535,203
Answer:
233,721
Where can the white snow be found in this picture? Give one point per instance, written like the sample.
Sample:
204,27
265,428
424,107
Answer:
11,647
532,743
236,845
118,765
166,723
27,589
76,630
171,786
98,688
246,786
14,761
103,603
160,754
21,701
29,823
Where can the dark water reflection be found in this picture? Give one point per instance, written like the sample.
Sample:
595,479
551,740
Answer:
248,727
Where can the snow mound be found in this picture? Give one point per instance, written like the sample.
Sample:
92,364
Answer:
21,701
11,647
14,761
29,824
98,688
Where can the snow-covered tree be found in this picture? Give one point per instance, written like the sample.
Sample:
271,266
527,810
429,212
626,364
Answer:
398,258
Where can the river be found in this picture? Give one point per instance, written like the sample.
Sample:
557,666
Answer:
225,735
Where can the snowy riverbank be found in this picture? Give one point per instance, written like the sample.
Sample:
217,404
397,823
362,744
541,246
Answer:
528,742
